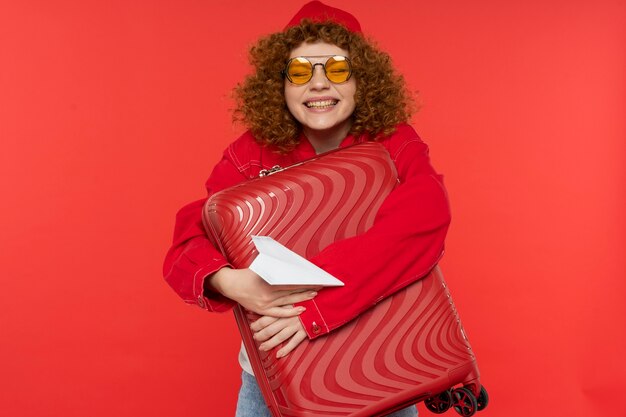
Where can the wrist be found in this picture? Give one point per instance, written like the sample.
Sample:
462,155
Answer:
217,281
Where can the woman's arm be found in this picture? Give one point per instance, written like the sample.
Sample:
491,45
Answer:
404,244
192,257
201,275
254,294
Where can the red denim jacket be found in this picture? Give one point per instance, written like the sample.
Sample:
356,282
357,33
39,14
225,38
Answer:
405,242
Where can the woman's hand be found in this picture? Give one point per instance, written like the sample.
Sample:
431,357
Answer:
254,294
272,331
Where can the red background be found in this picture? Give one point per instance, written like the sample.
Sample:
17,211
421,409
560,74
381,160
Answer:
113,112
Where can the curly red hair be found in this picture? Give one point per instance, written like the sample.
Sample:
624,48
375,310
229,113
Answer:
381,97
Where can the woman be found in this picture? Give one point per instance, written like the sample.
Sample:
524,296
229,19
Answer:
317,86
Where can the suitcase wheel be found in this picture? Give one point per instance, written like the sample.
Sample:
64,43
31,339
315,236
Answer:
483,399
464,402
440,403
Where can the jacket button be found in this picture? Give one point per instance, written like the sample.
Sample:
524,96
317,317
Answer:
315,328
201,302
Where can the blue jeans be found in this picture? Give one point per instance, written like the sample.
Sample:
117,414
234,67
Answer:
252,404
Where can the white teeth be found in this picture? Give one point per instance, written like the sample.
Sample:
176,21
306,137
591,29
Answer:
321,104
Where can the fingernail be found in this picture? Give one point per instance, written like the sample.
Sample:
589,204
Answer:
312,294
280,355
301,309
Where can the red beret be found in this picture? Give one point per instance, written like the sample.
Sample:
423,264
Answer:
319,12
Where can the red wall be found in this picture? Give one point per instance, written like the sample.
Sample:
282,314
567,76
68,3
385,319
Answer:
113,112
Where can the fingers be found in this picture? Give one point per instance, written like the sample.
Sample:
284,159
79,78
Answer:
262,323
271,304
293,298
295,340
295,288
272,331
278,332
275,331
256,295
283,311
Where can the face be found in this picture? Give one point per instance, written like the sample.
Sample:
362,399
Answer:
321,106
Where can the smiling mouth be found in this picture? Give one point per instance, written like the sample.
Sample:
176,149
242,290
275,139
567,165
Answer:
321,104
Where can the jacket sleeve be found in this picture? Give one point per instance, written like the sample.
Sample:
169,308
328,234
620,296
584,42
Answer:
404,244
192,257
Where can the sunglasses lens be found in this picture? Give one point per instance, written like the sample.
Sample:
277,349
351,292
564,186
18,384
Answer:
299,70
338,69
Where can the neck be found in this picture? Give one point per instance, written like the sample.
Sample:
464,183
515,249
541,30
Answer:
326,140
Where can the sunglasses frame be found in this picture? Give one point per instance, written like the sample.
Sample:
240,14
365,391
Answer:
285,73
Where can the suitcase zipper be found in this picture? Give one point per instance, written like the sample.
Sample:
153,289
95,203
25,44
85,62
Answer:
278,168
272,170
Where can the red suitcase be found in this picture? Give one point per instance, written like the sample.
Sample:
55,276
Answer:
410,347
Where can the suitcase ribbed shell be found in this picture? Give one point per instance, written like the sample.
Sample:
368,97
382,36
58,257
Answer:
408,347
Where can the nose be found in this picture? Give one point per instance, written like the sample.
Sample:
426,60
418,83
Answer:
319,80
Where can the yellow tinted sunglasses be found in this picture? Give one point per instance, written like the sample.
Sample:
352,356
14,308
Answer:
299,70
